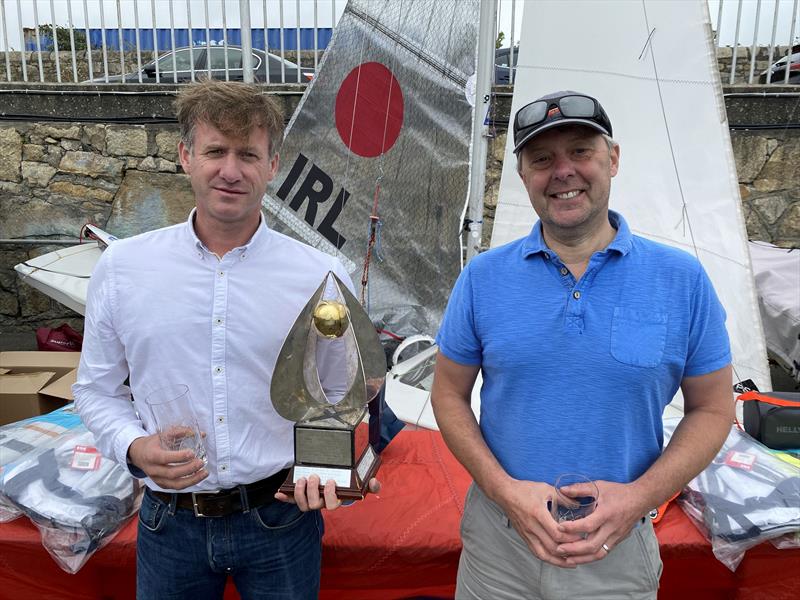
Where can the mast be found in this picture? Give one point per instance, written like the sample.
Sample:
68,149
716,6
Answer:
486,42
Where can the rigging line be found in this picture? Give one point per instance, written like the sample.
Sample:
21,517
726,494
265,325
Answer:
35,268
450,73
389,96
667,240
565,69
684,206
375,222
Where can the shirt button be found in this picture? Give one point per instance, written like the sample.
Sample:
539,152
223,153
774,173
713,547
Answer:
547,256
564,270
223,467
222,273
576,295
220,419
218,321
217,370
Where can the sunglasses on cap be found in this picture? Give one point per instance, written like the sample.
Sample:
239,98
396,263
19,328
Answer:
565,109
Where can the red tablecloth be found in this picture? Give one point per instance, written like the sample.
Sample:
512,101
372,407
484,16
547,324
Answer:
398,544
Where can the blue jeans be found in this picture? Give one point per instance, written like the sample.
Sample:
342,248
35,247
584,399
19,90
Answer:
272,552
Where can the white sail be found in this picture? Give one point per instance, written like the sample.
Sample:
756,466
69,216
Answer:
656,76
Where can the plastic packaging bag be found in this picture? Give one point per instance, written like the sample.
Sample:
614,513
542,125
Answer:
77,498
17,439
786,541
744,497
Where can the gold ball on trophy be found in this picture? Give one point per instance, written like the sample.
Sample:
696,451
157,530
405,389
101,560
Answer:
330,319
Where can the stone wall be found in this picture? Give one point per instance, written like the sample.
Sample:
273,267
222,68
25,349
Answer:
54,178
768,167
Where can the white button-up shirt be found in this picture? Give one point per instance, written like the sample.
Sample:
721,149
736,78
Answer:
162,310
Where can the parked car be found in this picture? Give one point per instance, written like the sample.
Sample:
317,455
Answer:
503,75
777,72
182,68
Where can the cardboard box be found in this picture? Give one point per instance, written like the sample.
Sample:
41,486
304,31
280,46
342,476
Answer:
60,363
62,387
20,399
37,383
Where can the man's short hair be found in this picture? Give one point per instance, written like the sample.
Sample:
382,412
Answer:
234,108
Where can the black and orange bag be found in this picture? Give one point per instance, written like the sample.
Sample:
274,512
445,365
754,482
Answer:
773,418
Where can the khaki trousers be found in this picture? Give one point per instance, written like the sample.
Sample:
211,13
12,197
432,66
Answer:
496,564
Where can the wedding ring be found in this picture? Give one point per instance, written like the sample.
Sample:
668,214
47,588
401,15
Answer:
606,548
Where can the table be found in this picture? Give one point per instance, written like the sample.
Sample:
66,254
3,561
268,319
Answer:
401,543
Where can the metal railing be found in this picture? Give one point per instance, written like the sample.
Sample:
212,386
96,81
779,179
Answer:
164,41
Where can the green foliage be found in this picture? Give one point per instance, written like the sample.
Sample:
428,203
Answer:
46,31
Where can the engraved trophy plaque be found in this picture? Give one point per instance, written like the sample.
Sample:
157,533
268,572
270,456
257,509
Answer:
331,439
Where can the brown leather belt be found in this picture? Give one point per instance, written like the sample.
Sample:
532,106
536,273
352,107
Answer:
225,502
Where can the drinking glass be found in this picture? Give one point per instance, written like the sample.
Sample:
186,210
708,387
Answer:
175,421
580,502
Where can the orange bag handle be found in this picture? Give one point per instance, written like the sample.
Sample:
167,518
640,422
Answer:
765,399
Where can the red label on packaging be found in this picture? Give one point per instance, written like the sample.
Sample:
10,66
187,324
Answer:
86,458
740,460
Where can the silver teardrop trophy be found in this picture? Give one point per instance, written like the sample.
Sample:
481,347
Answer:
334,335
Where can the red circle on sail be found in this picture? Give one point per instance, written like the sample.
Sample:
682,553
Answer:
369,110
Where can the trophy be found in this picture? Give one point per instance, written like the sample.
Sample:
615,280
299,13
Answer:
331,440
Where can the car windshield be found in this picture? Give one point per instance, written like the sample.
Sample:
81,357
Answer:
234,58
183,61
793,58
217,56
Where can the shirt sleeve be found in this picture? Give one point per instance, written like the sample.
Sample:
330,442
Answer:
101,396
458,338
709,346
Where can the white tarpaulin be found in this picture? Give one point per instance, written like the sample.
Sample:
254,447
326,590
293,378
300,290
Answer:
777,272
656,76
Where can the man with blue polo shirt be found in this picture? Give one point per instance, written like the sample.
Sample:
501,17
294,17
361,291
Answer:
583,333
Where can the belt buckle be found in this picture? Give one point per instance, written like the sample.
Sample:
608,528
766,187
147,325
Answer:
195,505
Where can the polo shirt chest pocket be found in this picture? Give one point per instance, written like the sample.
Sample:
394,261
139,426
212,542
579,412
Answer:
638,337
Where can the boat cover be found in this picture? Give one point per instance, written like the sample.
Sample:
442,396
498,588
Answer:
777,274
63,274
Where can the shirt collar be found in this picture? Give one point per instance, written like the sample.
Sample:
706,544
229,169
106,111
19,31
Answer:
535,244
259,237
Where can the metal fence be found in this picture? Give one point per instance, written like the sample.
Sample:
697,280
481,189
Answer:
167,41
164,41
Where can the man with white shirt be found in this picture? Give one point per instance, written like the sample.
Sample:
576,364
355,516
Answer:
208,303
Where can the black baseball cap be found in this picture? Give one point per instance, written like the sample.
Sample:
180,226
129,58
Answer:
554,110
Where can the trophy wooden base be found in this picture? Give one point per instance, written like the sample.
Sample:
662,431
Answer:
351,483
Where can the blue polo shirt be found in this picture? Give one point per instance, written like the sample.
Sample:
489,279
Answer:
576,374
